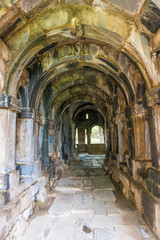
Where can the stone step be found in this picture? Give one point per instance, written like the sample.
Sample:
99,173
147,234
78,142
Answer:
69,184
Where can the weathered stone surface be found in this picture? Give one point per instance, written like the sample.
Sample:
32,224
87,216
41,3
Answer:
3,226
151,16
130,232
28,212
2,74
7,140
69,185
84,63
25,141
105,195
18,229
84,228
62,205
100,221
9,180
148,205
87,183
68,231
157,219
82,202
41,196
111,209
4,52
99,207
105,234
28,197
129,5
26,169
103,183
39,228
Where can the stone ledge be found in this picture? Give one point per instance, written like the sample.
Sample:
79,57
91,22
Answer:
7,101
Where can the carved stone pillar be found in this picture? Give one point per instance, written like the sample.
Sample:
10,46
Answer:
26,162
45,148
128,115
142,160
9,177
89,137
151,102
25,138
121,140
51,136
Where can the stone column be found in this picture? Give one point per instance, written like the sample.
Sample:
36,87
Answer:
45,149
81,135
130,128
26,162
109,143
142,160
89,137
151,102
9,177
120,154
130,137
51,135
7,140
113,140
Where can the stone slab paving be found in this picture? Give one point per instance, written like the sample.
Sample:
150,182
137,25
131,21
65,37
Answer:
87,207
103,183
68,185
87,183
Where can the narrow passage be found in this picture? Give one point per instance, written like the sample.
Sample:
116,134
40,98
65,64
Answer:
84,205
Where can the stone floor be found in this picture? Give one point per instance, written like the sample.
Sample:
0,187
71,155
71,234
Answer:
84,205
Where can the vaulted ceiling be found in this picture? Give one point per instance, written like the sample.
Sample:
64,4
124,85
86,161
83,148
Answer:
79,50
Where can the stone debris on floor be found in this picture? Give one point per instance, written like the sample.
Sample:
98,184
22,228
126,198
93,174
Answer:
84,205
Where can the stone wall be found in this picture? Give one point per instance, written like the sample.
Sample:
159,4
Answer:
15,214
145,200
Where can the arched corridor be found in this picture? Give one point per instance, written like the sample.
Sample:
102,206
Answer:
66,67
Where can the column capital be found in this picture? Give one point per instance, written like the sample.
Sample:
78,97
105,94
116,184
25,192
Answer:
152,97
10,102
27,113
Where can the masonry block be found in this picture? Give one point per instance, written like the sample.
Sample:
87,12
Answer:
4,225
1,200
157,219
34,189
13,212
38,168
28,212
149,184
148,208
7,140
156,190
9,180
25,141
4,53
154,174
25,201
42,195
26,169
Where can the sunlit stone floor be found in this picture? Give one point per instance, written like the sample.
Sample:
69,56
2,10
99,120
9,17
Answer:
84,205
